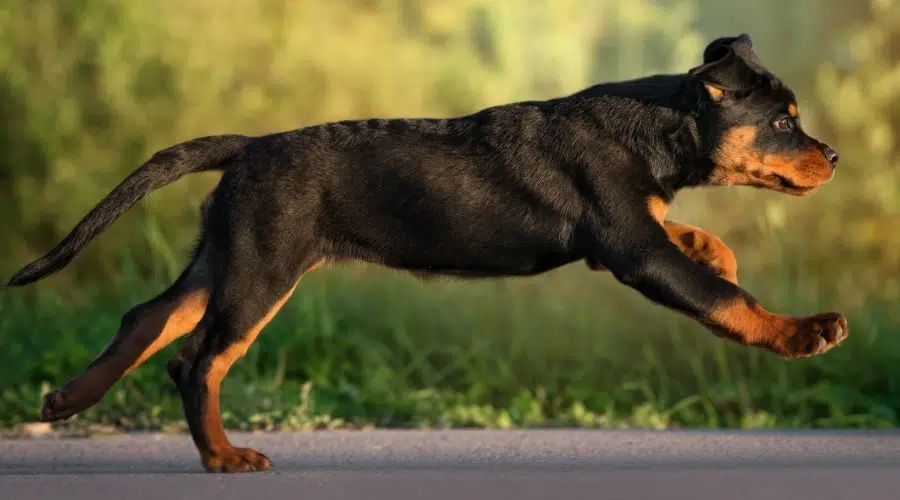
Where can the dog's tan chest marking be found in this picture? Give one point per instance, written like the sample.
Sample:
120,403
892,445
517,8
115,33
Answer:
658,208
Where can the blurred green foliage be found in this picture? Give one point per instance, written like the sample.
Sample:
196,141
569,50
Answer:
91,88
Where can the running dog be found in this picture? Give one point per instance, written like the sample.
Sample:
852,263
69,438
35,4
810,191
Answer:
512,190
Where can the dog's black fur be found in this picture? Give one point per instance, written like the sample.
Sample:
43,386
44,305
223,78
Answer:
511,190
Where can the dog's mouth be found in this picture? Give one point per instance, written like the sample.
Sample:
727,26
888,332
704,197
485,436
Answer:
789,186
792,185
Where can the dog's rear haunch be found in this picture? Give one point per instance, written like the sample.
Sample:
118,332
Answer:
511,190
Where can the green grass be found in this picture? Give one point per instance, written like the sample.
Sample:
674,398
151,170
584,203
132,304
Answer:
359,347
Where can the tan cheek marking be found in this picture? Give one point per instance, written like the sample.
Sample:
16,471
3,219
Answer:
780,164
734,155
658,208
777,162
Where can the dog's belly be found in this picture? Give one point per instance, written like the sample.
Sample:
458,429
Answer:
484,266
465,245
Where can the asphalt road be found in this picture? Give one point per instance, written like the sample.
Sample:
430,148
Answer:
467,465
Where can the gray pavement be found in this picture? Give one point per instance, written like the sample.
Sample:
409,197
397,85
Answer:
467,464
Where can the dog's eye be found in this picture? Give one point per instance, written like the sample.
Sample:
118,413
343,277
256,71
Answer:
785,124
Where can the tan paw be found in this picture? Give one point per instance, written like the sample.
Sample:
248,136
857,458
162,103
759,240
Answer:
237,460
813,335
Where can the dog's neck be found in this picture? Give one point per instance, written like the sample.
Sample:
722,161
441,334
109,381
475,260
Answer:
672,111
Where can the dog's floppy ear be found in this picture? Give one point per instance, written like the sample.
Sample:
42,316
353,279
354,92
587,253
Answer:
729,65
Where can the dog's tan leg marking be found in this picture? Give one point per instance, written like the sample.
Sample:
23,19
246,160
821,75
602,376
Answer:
216,451
788,336
220,455
145,330
703,248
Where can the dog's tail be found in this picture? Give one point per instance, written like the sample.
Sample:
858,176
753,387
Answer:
165,167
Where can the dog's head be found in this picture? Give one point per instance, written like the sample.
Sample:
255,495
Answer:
751,130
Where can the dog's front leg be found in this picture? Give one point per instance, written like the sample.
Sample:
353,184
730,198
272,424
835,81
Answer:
700,246
645,259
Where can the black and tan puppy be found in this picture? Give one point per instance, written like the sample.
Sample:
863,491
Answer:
511,190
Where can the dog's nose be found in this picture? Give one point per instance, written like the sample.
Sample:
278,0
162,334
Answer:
831,155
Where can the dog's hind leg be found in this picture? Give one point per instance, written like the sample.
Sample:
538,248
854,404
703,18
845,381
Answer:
145,330
244,299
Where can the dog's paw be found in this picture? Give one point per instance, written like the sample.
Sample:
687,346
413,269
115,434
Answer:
237,460
709,251
58,405
68,400
813,335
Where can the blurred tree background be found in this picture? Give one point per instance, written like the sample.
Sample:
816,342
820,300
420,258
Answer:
89,89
